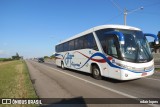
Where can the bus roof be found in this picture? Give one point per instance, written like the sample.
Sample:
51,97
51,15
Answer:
99,28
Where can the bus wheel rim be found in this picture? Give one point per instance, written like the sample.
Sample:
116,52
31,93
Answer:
96,72
62,65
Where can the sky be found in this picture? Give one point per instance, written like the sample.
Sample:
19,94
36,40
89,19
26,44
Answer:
32,28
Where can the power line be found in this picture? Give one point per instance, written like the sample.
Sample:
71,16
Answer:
116,5
125,11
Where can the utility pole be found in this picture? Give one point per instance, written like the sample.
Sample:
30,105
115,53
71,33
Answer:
125,16
126,12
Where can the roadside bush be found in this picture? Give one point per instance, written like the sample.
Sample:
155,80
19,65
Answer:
5,59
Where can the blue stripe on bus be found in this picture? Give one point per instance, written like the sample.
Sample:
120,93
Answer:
108,61
104,57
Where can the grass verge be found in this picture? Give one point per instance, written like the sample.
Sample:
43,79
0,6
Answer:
15,81
157,69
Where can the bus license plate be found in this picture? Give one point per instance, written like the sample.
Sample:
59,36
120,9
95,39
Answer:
144,73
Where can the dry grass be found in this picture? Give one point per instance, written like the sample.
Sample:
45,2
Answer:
3,63
20,80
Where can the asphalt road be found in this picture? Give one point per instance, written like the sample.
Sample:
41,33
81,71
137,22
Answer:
50,81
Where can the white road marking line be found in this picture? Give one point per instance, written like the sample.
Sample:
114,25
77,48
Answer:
107,88
153,79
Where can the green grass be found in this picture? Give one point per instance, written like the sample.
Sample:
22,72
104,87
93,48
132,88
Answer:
5,59
157,69
15,81
1,59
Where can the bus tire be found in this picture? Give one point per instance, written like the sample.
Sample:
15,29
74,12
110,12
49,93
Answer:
96,72
62,65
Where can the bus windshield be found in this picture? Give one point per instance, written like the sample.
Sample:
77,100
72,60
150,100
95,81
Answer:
136,47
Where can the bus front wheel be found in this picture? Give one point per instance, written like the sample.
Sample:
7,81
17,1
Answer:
96,72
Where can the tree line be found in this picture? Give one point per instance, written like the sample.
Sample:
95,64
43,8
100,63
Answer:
155,47
15,57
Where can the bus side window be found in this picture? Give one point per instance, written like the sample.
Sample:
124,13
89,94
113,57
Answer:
61,48
76,44
89,42
85,41
111,47
80,42
102,39
71,45
56,48
66,46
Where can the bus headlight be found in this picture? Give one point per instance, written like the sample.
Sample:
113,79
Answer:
127,67
132,68
149,68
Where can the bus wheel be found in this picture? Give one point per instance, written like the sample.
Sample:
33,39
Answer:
96,72
62,65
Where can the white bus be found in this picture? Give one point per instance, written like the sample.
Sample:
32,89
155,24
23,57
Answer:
114,51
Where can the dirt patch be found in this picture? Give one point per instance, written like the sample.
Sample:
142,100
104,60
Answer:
157,70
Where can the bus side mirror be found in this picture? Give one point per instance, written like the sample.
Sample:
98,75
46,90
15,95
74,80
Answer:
119,35
156,40
121,42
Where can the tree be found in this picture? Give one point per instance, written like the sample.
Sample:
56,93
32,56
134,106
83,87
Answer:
52,56
45,57
17,54
16,57
159,35
157,46
154,46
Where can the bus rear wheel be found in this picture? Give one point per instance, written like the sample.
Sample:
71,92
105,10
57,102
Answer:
62,65
96,72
